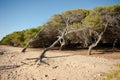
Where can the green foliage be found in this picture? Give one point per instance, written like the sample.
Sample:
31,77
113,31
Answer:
114,74
112,8
76,15
78,18
93,20
14,38
20,38
100,14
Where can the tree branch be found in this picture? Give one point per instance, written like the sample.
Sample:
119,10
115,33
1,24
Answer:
98,40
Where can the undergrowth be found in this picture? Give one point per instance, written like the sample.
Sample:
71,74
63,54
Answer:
114,74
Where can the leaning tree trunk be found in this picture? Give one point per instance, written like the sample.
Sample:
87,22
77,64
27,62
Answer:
27,45
94,44
58,40
31,40
46,49
98,40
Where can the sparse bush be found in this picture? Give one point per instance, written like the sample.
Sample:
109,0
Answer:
114,74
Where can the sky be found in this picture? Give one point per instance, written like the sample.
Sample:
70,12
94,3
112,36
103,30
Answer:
17,15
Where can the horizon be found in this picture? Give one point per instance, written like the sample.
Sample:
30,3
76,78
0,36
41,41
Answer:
17,15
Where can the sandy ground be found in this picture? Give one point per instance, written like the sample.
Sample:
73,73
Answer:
64,65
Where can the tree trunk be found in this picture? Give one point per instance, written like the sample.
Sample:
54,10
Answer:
46,49
58,40
98,40
27,45
31,40
62,43
113,48
94,44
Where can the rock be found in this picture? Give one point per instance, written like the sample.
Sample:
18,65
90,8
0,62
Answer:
46,75
2,52
98,75
34,79
54,67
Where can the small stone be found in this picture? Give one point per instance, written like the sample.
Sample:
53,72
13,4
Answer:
46,75
54,67
1,52
99,74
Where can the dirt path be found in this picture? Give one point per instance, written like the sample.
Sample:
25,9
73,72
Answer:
64,65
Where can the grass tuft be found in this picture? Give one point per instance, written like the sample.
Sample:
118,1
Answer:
113,75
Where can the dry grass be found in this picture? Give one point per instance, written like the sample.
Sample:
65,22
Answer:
114,74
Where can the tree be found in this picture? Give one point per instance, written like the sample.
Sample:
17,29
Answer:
56,25
89,27
32,39
97,41
13,39
61,37
111,18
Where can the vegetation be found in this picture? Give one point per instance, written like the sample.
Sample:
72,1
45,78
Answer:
114,74
20,38
80,21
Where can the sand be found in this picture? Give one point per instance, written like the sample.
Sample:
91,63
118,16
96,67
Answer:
63,65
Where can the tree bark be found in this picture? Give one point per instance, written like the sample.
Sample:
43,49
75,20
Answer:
98,40
94,44
58,40
46,49
113,48
31,40
27,45
62,43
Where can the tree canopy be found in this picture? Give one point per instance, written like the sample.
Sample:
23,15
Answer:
20,38
78,19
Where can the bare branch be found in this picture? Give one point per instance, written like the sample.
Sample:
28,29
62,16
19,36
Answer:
31,40
58,40
98,40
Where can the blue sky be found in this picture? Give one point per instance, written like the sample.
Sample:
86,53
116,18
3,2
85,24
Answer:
16,15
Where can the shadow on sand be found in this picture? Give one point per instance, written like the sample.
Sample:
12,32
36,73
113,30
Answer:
62,56
53,56
106,51
5,67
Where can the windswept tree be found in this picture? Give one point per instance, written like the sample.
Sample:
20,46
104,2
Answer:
82,26
32,36
13,39
86,27
104,20
110,17
55,25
